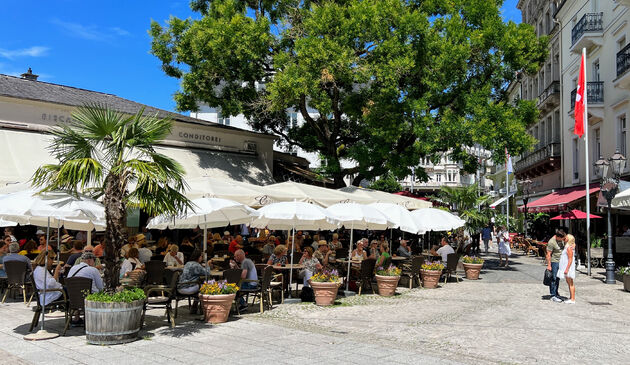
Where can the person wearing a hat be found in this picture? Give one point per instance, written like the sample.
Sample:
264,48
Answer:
323,252
66,245
129,245
404,250
144,254
86,269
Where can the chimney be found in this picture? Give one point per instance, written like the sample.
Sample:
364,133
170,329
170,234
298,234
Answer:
29,75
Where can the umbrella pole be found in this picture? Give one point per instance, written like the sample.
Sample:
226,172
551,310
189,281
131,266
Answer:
89,237
291,267
58,241
391,234
205,245
350,255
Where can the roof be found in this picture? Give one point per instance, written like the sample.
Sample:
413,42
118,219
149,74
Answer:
16,87
559,200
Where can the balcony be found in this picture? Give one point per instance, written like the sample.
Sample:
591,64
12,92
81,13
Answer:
587,33
540,162
594,93
550,98
623,68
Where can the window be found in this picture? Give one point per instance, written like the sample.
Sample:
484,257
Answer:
293,120
223,119
621,43
450,175
438,177
595,75
621,142
597,148
576,162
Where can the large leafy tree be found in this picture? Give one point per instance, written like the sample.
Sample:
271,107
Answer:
379,82
112,154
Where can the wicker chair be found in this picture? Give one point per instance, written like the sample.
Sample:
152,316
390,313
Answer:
155,272
366,275
61,303
414,271
451,266
166,296
77,289
16,279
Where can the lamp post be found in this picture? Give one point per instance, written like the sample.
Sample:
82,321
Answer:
609,188
526,191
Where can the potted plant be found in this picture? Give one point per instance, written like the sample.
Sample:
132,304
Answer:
597,251
387,280
430,274
325,285
216,299
624,272
472,266
113,318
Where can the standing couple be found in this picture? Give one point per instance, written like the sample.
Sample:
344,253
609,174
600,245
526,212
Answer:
560,250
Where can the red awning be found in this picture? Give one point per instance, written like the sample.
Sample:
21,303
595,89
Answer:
574,214
559,200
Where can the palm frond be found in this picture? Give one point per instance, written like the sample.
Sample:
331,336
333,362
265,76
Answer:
70,175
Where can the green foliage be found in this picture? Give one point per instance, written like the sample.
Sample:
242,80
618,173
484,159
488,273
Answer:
472,260
467,202
596,242
126,296
433,266
379,82
387,183
390,271
623,270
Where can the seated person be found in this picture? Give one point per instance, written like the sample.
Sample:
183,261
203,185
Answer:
374,250
13,255
384,247
359,254
4,249
216,238
324,253
279,256
144,253
97,261
66,242
162,246
404,250
99,249
128,246
249,273
174,257
76,251
236,244
192,274
443,251
187,247
52,281
311,264
269,246
42,245
86,269
30,247
131,263
335,244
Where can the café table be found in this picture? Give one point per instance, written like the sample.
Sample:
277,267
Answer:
288,267
400,258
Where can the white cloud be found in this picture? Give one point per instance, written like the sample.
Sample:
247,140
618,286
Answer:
89,32
35,51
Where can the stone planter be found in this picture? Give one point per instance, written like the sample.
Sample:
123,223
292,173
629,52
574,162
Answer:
472,271
387,285
430,278
112,323
325,293
626,282
216,308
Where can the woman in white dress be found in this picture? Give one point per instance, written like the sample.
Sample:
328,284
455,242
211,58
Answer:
566,267
503,239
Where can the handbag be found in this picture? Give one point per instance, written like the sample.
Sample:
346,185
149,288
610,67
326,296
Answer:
548,278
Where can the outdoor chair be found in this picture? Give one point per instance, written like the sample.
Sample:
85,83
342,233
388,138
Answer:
32,256
387,262
260,268
155,272
414,271
61,303
166,296
77,288
264,289
341,253
452,259
366,275
531,247
181,296
16,279
233,276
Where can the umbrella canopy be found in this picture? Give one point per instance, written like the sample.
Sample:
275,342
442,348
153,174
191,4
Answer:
574,214
294,215
432,219
375,196
206,212
359,216
400,216
4,223
63,209
312,194
244,193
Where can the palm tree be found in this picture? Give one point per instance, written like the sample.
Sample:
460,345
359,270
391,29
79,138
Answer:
467,202
110,154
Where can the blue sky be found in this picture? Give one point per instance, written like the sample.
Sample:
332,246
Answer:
98,45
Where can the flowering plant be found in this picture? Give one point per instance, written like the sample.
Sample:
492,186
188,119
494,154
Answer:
390,271
214,287
326,276
433,266
472,260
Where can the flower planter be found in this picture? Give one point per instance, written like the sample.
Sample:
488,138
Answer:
387,285
216,308
325,292
472,271
430,278
626,282
111,323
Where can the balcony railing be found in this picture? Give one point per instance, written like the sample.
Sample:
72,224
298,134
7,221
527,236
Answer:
623,60
552,149
590,22
594,93
553,88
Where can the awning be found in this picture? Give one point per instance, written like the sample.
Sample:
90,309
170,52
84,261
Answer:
559,200
22,153
501,201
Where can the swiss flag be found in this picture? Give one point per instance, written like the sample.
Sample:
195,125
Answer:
580,98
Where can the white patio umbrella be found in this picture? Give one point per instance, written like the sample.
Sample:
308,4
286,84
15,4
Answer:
358,216
73,212
313,194
244,193
400,216
432,219
206,213
4,223
376,196
292,216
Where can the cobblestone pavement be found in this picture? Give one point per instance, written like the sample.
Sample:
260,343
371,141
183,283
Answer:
503,318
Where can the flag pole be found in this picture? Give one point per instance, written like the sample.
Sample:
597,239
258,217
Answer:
586,162
507,195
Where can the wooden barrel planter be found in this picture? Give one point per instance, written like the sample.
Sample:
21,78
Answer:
387,285
430,278
108,323
472,271
626,282
325,292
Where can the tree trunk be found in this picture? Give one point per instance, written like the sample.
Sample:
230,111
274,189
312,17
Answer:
115,216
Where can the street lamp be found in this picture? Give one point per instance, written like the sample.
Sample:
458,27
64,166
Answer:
609,188
526,191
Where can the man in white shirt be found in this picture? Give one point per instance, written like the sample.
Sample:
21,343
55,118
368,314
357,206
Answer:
86,269
444,250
